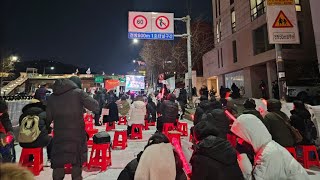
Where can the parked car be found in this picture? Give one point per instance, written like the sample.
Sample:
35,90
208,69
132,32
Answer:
302,89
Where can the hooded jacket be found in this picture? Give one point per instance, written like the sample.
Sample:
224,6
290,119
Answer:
253,112
65,109
137,113
169,110
218,118
123,107
157,163
272,161
274,121
214,158
204,106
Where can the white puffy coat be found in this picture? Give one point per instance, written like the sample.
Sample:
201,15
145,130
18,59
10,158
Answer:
137,113
272,161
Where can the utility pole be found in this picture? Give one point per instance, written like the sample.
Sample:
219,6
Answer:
281,72
187,20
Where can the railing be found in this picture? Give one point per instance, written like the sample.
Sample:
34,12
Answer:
7,89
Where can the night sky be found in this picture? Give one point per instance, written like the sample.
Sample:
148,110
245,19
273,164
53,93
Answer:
87,33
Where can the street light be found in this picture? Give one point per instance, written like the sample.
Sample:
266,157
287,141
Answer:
14,58
134,61
52,68
135,41
44,69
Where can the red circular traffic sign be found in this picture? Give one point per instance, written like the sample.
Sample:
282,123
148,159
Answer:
140,22
159,22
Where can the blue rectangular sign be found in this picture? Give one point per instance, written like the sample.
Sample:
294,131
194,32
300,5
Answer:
158,36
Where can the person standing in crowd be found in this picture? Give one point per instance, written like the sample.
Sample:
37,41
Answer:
204,106
37,110
7,129
235,91
275,89
301,120
151,111
137,113
223,92
213,157
183,100
101,97
113,115
275,121
272,161
169,110
159,161
263,89
41,93
123,106
250,108
128,173
204,91
65,110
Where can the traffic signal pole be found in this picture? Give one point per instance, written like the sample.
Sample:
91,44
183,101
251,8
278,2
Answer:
187,20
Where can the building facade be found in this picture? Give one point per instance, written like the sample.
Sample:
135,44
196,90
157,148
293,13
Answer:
242,53
315,4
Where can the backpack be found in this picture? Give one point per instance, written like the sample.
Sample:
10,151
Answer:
29,129
310,131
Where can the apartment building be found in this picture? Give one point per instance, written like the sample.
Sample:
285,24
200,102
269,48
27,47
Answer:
242,53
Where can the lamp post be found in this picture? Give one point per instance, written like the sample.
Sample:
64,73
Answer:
44,69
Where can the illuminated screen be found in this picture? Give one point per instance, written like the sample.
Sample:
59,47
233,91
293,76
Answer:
134,83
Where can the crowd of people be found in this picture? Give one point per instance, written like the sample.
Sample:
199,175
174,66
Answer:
258,152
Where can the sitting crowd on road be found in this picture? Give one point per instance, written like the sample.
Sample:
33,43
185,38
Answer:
226,145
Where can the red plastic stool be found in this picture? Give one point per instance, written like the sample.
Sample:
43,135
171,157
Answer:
100,156
174,134
88,125
120,143
146,125
87,117
91,133
292,151
167,127
183,128
36,166
109,128
122,120
135,134
305,159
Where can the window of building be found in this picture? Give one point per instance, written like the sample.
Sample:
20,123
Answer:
233,20
231,2
219,7
216,5
235,54
261,41
258,8
221,57
218,58
218,31
298,5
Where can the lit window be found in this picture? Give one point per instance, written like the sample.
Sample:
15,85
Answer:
298,5
233,20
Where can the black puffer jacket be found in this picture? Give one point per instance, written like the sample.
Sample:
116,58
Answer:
219,120
37,109
215,159
169,111
253,112
204,107
65,109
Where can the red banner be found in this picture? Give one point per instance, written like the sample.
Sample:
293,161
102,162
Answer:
111,84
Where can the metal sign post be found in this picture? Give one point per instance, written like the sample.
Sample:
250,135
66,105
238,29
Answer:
282,29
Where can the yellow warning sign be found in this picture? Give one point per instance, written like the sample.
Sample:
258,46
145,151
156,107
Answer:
280,2
282,21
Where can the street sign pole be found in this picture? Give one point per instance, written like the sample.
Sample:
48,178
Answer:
280,71
187,20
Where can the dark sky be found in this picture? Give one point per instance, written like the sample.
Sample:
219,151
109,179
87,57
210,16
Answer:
88,33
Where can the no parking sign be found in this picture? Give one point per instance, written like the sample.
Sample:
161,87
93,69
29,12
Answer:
150,25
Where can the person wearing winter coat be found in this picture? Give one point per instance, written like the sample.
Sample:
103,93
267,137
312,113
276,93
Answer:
213,157
204,106
272,161
169,110
151,111
137,113
301,120
159,161
183,100
65,109
250,108
101,97
113,115
7,129
218,118
275,123
36,108
129,171
123,106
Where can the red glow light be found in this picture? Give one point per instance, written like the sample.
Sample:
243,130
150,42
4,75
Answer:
192,116
264,102
186,167
9,138
227,95
230,116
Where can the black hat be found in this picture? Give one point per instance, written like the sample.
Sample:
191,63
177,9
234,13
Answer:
249,104
204,129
